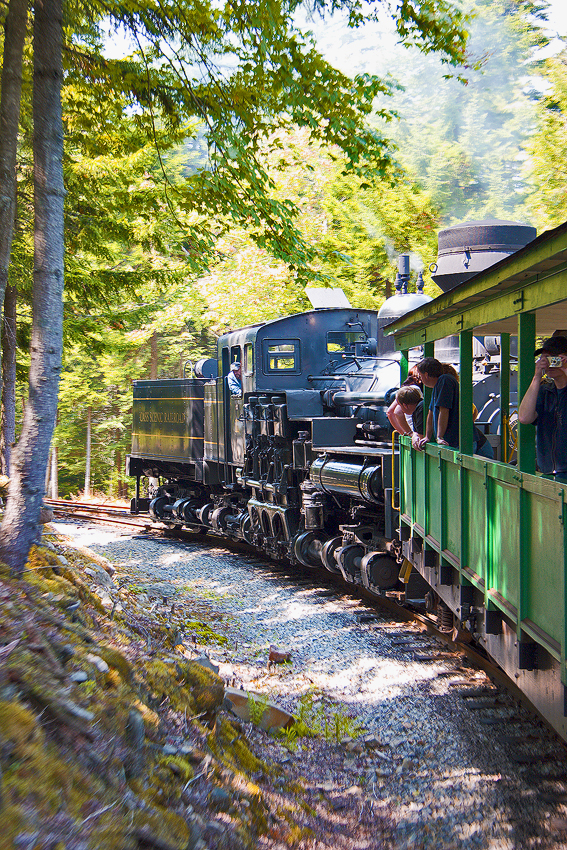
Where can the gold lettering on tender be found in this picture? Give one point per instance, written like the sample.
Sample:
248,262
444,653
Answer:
161,417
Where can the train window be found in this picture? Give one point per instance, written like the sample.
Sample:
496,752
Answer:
236,354
281,355
248,359
338,341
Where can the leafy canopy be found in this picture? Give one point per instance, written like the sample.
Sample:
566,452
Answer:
243,70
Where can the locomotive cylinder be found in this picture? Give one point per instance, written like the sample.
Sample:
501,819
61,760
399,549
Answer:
348,478
342,399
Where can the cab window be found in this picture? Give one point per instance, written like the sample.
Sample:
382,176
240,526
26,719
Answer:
248,359
236,354
343,341
281,355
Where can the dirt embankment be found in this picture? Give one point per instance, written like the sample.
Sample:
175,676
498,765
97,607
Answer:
110,735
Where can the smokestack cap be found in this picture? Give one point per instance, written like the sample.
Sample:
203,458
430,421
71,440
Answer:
468,248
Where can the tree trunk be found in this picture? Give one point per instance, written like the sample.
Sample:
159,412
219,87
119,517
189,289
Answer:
20,525
87,491
10,94
8,436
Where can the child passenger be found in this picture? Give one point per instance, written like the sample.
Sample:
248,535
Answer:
406,412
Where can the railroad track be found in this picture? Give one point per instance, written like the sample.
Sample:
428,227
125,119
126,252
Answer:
95,512
113,515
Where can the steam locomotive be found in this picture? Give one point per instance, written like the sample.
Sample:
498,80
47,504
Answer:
302,466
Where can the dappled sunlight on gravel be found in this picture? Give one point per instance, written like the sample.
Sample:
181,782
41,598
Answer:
411,766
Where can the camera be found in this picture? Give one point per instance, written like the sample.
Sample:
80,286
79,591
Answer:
555,361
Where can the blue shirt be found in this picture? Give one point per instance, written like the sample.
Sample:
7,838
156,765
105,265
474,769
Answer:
551,428
446,394
234,384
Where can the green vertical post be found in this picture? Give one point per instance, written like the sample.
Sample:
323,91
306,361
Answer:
428,351
504,395
526,346
465,439
404,365
466,394
526,459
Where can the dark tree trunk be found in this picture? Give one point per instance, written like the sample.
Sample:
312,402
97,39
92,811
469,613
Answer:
10,94
8,435
20,526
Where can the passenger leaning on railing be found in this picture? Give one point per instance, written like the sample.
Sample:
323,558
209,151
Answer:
443,416
545,405
406,412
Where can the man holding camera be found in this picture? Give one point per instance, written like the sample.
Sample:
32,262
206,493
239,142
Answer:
545,405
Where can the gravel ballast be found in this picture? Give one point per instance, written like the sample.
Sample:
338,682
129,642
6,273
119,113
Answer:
425,765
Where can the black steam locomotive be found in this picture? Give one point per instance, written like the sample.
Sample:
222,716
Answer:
302,466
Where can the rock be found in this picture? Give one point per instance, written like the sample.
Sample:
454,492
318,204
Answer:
134,735
64,651
372,741
205,661
220,800
45,515
100,577
79,676
207,689
77,711
169,750
98,662
278,656
63,560
273,717
105,598
159,590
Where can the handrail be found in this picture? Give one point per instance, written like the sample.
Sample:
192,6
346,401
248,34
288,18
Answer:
394,507
512,439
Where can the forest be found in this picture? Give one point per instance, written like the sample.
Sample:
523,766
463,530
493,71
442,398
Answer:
199,183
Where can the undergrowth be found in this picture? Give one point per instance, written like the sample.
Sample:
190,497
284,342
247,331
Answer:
315,720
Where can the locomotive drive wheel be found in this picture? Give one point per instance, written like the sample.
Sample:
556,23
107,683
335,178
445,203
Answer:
349,558
328,554
379,570
156,507
218,517
246,528
307,548
204,513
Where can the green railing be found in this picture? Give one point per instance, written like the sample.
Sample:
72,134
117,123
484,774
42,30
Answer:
502,530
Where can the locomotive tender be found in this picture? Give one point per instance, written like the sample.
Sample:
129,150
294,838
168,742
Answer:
303,466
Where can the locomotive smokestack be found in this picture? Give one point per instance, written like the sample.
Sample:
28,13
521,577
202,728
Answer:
403,273
466,249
